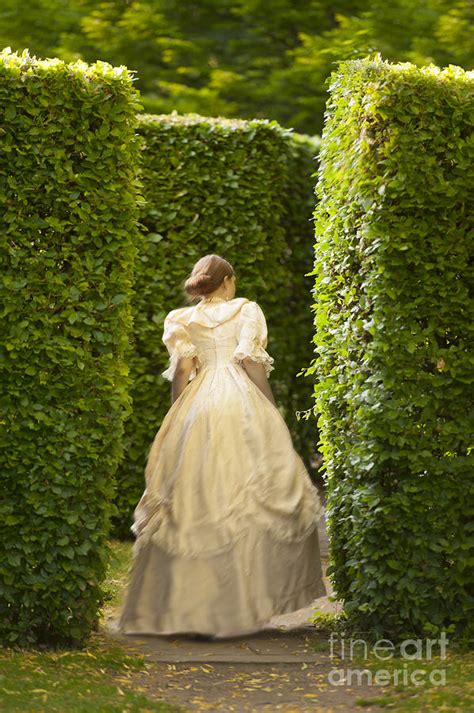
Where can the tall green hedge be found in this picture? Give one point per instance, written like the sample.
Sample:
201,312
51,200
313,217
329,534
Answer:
69,193
229,187
294,328
394,319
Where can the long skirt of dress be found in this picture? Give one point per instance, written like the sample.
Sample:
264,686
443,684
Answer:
226,530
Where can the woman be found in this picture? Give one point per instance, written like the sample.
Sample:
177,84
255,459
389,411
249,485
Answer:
226,530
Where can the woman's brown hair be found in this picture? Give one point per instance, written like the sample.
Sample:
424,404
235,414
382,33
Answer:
206,276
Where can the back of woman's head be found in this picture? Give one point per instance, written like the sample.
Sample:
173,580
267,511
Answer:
206,276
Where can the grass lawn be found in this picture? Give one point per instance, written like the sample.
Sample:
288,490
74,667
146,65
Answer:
421,685
450,690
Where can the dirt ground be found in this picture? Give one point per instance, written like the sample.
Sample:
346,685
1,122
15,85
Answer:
226,687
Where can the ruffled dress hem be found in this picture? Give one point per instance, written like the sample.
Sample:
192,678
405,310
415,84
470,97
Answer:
300,599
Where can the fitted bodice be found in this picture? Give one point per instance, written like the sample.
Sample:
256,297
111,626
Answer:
215,345
216,334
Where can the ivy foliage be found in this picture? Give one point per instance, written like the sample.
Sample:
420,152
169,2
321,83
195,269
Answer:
394,320
69,195
215,185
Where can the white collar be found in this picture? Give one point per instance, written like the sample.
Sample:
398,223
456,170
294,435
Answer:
209,313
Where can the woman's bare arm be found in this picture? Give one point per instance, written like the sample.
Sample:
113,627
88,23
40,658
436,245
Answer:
257,373
181,376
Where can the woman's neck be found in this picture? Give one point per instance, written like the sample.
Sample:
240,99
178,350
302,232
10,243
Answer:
214,298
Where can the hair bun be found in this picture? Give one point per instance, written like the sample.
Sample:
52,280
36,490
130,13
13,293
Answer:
207,275
195,283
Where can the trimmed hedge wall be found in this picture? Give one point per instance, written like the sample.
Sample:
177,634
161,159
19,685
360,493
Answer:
293,330
394,322
230,187
69,193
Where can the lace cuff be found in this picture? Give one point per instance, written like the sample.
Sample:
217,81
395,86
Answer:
179,344
253,336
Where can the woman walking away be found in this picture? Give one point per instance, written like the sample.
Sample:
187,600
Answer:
226,529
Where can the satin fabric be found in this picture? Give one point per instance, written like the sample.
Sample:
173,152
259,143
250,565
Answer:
226,529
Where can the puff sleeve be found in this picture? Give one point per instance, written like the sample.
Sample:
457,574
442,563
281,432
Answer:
179,344
252,336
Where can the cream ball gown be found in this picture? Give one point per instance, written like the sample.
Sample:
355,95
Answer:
226,529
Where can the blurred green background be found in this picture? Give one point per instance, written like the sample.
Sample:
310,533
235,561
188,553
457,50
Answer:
240,58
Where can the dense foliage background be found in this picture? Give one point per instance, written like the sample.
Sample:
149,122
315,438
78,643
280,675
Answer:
392,275
234,58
